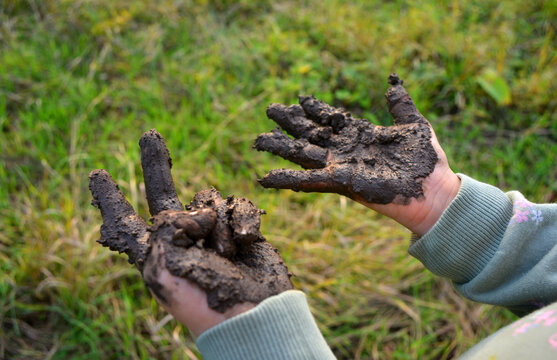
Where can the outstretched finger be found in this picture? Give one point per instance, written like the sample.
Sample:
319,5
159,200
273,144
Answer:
401,105
156,164
300,152
122,230
324,114
317,180
292,119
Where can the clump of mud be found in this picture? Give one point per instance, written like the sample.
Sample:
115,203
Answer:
351,156
215,242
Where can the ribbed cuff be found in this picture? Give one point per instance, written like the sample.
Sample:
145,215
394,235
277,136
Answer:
280,327
468,233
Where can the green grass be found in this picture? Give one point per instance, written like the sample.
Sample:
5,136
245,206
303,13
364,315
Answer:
80,81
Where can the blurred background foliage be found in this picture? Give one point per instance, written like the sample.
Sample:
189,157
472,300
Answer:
81,80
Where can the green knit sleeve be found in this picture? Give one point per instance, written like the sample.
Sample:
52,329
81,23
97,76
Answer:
498,248
280,327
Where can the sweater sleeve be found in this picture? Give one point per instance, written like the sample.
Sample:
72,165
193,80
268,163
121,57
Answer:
280,327
497,248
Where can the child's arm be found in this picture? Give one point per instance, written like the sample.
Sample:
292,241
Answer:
400,171
281,327
497,248
208,265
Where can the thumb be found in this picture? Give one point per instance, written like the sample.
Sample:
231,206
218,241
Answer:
401,105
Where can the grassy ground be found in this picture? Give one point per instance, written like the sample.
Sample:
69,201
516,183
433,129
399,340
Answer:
80,81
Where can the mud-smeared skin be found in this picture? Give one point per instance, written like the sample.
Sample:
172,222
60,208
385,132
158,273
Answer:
351,156
252,275
221,236
215,243
122,229
156,164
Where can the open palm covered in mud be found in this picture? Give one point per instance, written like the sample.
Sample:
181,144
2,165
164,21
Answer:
350,156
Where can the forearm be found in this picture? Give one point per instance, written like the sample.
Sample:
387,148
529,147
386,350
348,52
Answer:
497,248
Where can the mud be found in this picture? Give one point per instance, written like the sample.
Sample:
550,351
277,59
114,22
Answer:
214,243
253,274
156,164
351,156
122,229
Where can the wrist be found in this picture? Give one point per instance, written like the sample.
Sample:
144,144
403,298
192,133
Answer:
213,318
440,190
281,326
419,216
188,304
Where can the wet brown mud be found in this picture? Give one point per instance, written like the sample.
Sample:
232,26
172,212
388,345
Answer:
351,156
215,242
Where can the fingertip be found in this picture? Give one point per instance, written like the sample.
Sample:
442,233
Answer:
273,109
98,175
394,79
278,113
101,185
97,172
400,104
150,135
260,141
95,178
265,182
305,98
284,179
152,145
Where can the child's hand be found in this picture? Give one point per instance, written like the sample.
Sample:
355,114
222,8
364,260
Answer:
400,171
203,265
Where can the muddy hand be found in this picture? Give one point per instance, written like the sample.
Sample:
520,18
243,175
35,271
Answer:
351,156
214,246
400,171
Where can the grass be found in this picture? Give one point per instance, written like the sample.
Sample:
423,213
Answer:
80,81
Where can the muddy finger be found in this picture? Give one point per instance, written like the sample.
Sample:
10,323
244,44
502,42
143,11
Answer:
122,230
245,222
197,224
325,114
156,164
292,119
318,180
401,105
221,237
300,152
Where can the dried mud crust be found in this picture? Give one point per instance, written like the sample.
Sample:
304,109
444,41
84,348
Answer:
351,156
214,243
